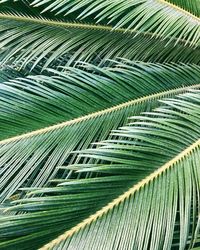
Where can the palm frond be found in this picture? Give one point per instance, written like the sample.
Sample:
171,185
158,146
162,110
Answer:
31,159
39,38
62,9
153,150
192,6
74,92
99,124
158,16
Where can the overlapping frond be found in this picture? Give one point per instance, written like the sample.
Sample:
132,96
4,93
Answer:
53,39
158,16
73,10
154,150
31,159
98,152
40,100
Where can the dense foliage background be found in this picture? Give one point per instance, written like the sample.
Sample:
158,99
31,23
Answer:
100,124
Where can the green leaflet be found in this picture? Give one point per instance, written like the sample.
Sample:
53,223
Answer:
44,99
157,16
31,159
192,6
51,40
164,148
98,152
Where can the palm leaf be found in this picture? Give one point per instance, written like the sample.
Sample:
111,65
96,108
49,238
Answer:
72,93
52,39
157,16
155,149
27,161
192,6
90,158
62,9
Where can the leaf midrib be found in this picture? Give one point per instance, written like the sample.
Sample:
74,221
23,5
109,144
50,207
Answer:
96,114
123,197
178,8
44,21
